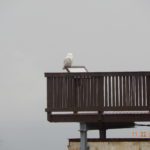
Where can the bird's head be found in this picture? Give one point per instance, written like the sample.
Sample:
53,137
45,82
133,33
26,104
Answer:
70,55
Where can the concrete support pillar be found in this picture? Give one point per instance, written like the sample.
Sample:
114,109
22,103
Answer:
83,136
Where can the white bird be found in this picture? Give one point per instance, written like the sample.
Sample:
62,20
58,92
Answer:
68,60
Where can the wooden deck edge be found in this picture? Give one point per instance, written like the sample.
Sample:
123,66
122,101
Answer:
98,117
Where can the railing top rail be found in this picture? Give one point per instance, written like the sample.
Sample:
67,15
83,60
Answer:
125,73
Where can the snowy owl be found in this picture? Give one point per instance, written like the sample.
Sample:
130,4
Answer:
68,60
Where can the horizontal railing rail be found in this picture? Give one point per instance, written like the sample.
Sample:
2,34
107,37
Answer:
104,91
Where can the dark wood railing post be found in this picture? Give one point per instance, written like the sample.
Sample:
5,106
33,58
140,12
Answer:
49,97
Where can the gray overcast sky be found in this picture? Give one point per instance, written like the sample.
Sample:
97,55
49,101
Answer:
35,35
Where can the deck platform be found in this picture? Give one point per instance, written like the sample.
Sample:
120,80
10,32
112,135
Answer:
98,97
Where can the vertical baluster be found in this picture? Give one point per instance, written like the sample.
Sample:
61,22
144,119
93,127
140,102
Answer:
124,94
97,90
101,93
76,94
63,92
146,99
140,92
109,91
117,92
113,91
148,92
86,90
49,94
81,92
136,79
129,100
76,87
134,90
121,90
92,92
144,96
95,86
127,91
55,95
68,94
59,92
129,86
106,91
52,91
89,91
71,93
130,91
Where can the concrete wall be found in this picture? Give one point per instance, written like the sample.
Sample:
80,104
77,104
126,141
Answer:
112,145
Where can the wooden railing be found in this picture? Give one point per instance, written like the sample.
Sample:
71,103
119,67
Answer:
98,91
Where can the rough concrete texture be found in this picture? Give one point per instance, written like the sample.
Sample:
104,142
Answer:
113,145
